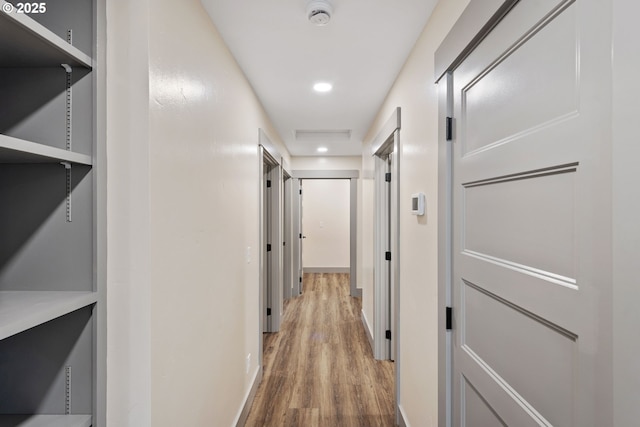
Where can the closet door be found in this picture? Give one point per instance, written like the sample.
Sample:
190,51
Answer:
531,196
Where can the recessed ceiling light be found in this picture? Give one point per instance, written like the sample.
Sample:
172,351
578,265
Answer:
322,87
322,149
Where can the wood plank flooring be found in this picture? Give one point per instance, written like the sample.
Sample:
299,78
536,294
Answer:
319,370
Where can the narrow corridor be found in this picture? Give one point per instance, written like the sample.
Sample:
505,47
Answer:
319,369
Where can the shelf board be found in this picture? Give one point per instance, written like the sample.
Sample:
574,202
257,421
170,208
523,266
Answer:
26,43
14,150
23,310
45,420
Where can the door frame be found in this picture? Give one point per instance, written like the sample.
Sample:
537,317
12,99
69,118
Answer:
269,155
296,227
386,142
475,22
382,308
352,176
445,248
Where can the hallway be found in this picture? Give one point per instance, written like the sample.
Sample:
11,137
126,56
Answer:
319,369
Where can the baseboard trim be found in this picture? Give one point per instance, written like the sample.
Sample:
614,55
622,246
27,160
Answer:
402,417
367,328
327,270
241,418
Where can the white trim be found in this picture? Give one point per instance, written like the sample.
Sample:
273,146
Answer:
367,328
241,418
402,417
327,269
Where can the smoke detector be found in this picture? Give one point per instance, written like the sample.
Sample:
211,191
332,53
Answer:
319,12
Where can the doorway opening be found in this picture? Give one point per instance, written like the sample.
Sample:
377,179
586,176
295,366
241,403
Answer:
271,238
297,214
386,299
325,211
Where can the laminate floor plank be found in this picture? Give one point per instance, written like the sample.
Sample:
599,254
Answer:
319,370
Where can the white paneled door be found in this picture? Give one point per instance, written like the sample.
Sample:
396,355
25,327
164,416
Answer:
531,196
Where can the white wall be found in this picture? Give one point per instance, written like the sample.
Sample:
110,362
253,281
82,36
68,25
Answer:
183,301
128,268
325,223
415,92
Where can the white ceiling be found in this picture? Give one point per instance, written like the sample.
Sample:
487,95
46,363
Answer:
361,51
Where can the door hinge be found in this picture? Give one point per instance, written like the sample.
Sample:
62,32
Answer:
268,312
268,183
387,177
449,318
300,279
387,334
284,243
300,236
301,192
449,130
387,256
268,247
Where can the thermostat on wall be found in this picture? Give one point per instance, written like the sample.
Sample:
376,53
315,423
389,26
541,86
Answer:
417,204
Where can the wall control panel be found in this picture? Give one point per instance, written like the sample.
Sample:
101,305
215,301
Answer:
417,204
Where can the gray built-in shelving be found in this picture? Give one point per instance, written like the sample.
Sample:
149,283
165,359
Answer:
49,296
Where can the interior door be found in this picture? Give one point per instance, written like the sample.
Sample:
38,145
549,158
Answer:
286,242
302,237
391,283
383,270
268,286
530,283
